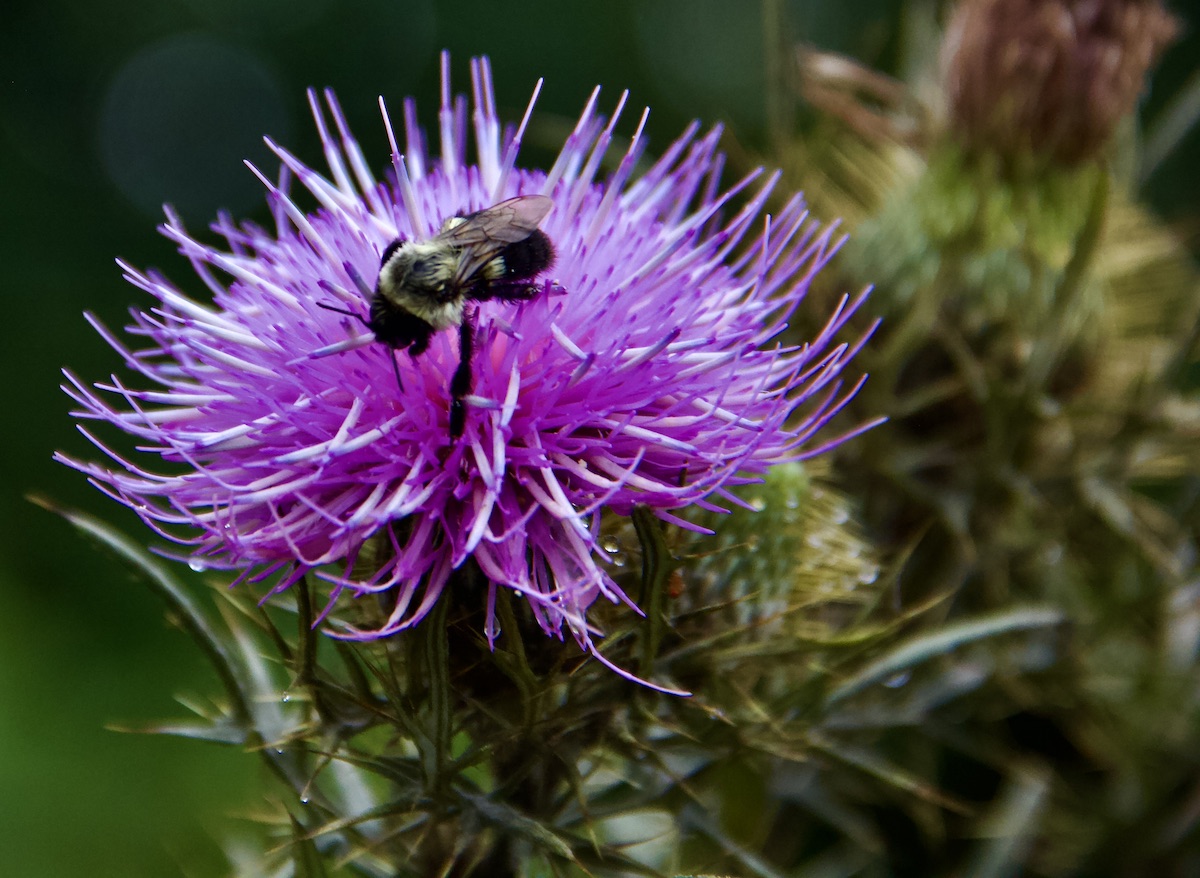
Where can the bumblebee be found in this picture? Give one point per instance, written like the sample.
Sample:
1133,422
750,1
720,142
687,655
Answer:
427,286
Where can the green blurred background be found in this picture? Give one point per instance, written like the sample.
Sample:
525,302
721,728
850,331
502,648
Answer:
108,110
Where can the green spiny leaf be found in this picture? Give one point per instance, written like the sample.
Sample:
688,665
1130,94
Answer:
172,592
305,856
947,638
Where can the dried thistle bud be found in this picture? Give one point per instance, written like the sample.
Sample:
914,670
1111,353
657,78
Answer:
1050,78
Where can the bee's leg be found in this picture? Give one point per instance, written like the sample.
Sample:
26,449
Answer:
460,384
411,333
392,355
513,291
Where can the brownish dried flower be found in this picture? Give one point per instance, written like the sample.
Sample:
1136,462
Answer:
1049,78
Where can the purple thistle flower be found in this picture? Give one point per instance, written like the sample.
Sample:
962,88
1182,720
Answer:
642,374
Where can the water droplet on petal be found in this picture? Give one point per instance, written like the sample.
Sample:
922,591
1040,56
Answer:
897,680
197,565
610,544
287,696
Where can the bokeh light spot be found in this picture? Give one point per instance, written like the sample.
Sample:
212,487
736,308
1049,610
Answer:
180,116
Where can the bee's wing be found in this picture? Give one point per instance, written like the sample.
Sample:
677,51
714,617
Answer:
483,234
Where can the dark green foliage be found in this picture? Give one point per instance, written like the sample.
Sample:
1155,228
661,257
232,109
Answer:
429,754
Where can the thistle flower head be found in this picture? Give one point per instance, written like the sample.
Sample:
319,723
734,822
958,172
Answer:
1049,77
645,372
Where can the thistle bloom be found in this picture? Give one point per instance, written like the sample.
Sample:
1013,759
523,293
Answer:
1049,77
640,375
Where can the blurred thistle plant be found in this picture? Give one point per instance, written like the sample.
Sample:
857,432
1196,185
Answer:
621,407
1042,318
1034,362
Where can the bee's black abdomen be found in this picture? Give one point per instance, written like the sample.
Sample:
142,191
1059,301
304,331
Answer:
525,259
398,328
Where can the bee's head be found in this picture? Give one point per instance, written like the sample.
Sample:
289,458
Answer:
420,269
